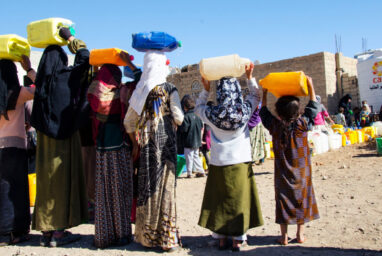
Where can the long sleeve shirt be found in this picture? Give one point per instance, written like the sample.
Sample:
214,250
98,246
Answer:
229,147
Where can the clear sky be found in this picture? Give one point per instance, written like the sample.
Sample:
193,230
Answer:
259,30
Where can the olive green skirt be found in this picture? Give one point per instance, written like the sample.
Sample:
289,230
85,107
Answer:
61,201
231,204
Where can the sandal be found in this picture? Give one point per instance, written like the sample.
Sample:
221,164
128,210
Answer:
45,238
66,238
200,175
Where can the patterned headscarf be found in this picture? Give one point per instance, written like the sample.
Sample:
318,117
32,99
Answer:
231,112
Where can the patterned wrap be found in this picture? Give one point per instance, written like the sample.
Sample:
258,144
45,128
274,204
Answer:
295,198
231,111
156,220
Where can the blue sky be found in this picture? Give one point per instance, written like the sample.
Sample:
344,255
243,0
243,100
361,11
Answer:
259,30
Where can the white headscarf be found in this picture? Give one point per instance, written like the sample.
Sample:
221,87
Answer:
155,72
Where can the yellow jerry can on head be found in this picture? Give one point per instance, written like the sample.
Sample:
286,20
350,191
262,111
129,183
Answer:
286,84
43,33
12,47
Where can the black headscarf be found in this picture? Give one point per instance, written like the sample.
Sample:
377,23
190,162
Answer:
9,87
60,98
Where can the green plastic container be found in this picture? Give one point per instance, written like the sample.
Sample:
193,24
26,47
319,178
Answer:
379,145
181,163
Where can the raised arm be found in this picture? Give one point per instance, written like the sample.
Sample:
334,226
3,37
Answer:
311,110
254,93
265,115
201,102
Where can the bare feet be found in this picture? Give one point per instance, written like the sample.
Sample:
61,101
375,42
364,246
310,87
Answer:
283,240
300,239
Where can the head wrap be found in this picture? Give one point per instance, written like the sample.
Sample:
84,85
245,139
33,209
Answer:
231,112
155,72
103,92
9,87
318,98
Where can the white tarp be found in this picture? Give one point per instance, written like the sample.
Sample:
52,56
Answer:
370,78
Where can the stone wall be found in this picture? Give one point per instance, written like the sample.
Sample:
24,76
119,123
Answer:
333,76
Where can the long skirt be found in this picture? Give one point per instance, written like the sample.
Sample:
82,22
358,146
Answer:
156,219
231,204
14,192
89,165
61,200
257,137
114,195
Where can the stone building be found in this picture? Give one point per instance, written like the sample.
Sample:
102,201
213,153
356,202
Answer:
334,75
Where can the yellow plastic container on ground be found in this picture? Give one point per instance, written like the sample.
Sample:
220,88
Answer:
224,66
272,154
12,47
43,33
360,136
32,188
99,57
351,136
286,83
338,128
346,140
369,133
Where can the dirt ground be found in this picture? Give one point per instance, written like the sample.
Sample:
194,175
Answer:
348,185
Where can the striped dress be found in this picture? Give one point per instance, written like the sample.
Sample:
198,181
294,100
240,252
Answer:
294,193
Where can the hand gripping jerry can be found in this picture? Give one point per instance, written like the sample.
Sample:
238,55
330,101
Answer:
286,84
99,57
224,66
43,33
12,47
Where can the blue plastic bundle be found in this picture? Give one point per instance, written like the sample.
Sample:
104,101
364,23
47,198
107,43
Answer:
161,41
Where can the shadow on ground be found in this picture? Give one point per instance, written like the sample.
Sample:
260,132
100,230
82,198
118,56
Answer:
205,245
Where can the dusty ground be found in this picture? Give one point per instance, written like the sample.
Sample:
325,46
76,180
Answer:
348,184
